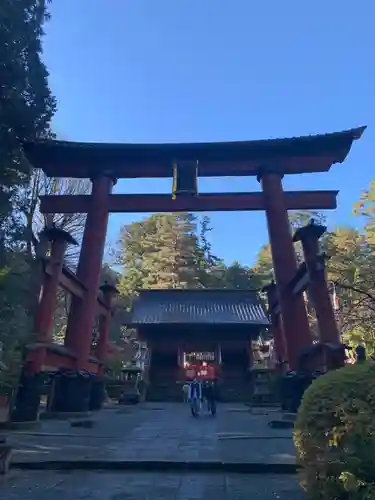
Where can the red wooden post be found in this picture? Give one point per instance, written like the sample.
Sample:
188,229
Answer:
276,323
109,293
295,321
44,316
315,264
82,315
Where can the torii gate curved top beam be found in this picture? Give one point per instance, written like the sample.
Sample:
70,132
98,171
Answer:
295,155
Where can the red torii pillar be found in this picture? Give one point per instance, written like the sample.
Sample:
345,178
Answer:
97,394
108,293
309,237
44,316
27,401
82,314
329,334
294,316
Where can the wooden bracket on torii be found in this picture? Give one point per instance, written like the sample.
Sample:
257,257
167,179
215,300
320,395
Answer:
311,276
44,355
71,284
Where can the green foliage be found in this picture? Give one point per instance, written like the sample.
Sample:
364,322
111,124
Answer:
159,252
366,208
352,268
26,109
15,323
237,276
173,251
26,103
335,435
263,267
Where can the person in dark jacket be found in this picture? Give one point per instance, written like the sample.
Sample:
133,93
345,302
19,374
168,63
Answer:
210,395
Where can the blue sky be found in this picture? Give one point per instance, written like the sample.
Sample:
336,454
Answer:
216,70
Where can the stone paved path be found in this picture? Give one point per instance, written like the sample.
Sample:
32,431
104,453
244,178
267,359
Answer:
154,432
160,432
138,486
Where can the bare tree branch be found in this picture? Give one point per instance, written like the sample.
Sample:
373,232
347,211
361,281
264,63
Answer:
41,185
357,290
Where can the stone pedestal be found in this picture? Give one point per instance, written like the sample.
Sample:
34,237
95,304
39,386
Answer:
26,406
71,392
293,385
97,394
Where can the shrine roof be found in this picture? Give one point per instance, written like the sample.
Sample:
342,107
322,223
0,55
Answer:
198,306
80,160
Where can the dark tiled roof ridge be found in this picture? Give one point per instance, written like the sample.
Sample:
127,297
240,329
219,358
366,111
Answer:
198,306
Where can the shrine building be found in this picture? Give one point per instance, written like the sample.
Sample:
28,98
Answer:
201,333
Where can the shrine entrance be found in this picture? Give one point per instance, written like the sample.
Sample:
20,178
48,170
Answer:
80,366
200,365
201,371
198,333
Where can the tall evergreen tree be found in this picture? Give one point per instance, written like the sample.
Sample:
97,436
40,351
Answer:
160,252
26,109
166,251
209,265
26,103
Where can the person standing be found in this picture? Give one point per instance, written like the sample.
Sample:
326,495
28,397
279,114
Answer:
185,391
211,397
195,396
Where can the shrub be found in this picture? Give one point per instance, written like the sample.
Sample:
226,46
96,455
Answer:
334,435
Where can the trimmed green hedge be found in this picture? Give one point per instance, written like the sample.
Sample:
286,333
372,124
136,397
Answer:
334,435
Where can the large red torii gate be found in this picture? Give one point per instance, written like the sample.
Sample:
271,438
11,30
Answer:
269,160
